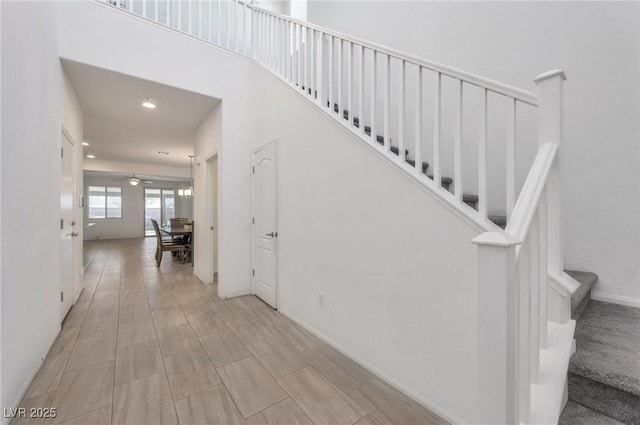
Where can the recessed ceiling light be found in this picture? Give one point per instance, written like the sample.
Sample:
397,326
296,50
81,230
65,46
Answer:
162,153
91,156
85,143
150,103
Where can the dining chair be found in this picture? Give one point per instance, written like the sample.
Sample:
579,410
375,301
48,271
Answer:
166,245
178,221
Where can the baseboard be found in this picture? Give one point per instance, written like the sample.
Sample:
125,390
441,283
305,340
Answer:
30,377
199,276
615,299
435,408
234,294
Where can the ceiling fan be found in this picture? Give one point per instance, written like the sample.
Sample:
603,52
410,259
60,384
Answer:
134,181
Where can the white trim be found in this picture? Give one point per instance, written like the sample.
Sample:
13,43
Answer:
234,294
208,160
616,299
429,404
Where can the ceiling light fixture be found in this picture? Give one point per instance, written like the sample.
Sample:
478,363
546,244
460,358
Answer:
85,143
91,156
150,103
188,192
134,181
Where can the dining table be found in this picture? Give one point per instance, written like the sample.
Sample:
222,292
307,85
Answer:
179,230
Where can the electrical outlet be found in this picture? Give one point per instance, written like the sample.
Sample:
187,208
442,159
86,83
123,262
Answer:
320,299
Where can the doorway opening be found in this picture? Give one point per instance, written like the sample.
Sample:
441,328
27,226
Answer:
159,205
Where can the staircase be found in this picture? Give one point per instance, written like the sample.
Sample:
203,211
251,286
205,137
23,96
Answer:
527,303
604,373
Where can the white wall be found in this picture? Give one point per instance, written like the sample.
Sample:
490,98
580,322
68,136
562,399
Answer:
131,225
397,268
176,60
31,118
597,45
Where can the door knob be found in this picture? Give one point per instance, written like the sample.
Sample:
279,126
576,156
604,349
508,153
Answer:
270,234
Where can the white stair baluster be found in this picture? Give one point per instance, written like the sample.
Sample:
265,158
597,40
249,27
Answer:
361,92
511,156
401,155
457,144
482,157
437,112
417,146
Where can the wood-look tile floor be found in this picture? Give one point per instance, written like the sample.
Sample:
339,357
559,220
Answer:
155,346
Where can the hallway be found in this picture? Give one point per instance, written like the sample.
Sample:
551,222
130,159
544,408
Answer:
155,346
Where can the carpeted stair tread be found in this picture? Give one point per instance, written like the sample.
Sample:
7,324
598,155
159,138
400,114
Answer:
581,297
577,414
608,346
499,220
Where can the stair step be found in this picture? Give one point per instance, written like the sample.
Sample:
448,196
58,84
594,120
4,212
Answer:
603,373
444,181
471,200
499,220
577,414
580,299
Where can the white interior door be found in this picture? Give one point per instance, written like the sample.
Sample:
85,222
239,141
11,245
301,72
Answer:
264,224
67,224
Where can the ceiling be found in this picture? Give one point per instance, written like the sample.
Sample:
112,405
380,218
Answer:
117,126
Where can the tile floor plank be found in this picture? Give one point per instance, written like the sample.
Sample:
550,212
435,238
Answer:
224,347
190,372
146,401
390,407
322,401
49,376
98,417
136,361
285,412
92,351
251,386
176,339
211,407
136,332
278,359
83,391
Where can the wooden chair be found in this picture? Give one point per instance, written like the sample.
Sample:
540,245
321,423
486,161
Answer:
165,245
189,245
178,221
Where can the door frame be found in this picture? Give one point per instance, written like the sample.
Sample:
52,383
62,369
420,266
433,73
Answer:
214,238
277,203
75,260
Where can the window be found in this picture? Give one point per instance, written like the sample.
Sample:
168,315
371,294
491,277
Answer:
159,204
105,202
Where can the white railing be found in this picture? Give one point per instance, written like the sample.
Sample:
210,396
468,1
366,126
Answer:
366,88
226,23
383,96
515,269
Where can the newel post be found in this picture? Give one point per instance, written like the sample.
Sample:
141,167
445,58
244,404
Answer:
497,321
551,130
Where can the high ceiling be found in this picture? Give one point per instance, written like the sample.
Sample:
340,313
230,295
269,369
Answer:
117,126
